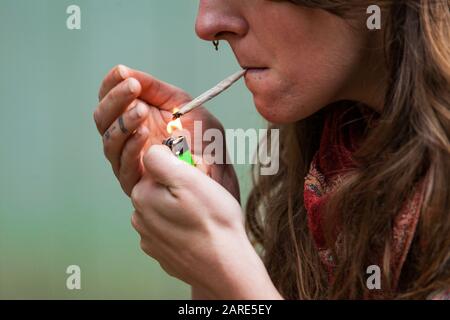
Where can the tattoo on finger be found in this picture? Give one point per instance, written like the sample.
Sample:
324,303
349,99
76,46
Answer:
122,125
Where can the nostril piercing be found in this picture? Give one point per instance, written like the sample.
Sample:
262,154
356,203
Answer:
216,44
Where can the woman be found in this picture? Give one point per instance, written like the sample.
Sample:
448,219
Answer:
364,119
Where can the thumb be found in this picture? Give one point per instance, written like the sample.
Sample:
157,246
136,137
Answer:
165,168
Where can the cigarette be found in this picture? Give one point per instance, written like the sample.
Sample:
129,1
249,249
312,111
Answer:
208,95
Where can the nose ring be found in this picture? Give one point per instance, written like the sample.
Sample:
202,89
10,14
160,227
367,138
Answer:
216,44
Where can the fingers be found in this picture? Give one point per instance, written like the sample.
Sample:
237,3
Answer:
154,92
158,93
113,78
150,196
131,167
165,168
115,103
114,138
122,85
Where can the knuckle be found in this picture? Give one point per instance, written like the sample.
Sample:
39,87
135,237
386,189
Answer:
136,197
143,246
164,267
101,90
135,222
97,118
103,87
146,247
168,270
107,148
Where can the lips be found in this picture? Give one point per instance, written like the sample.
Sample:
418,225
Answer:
253,68
256,69
255,73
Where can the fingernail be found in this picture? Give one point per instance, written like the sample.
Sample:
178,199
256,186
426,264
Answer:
133,85
140,110
123,71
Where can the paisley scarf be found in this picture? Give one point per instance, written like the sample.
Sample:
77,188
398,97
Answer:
343,130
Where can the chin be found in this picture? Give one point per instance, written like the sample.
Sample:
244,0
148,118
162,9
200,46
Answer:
268,104
273,112
269,97
275,101
283,111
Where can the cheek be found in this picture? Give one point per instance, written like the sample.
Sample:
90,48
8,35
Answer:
311,68
293,94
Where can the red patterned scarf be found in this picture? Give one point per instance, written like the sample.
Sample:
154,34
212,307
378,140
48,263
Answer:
343,130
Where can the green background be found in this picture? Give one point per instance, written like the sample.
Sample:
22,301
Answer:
59,202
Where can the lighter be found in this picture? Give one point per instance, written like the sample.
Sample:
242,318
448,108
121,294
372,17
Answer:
180,148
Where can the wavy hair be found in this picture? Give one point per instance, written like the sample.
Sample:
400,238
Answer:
410,143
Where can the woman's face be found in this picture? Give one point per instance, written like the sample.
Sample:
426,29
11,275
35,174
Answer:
299,59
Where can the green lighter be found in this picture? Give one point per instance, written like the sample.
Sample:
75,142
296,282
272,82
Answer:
180,149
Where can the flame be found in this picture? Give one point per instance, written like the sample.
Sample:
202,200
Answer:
174,124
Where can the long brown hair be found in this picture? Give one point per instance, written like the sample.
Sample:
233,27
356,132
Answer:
410,143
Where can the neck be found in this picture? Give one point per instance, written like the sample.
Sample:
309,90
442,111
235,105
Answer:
369,83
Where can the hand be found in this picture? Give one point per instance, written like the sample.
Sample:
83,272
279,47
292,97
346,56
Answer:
194,228
132,115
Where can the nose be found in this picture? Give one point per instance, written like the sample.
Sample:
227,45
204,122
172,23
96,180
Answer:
220,20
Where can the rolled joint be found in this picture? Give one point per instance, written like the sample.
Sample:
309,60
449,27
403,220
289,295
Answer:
176,115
